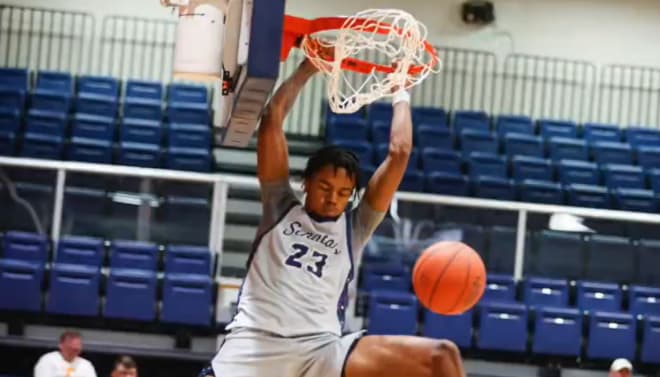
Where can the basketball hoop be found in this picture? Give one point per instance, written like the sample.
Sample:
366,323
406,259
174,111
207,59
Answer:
386,48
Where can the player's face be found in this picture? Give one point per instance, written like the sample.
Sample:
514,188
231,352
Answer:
621,373
71,348
328,191
122,371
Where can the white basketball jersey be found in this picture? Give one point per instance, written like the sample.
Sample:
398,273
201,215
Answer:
298,277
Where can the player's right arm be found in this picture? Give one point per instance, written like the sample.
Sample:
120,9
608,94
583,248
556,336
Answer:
272,149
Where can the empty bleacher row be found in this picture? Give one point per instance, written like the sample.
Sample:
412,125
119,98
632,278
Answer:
572,291
135,281
99,119
547,161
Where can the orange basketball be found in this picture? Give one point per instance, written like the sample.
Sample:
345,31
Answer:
449,278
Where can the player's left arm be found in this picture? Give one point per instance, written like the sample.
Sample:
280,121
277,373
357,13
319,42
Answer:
384,183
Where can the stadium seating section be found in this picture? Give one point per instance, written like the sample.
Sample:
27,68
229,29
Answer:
468,153
98,119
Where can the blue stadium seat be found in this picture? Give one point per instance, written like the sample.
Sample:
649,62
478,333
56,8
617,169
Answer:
611,335
557,128
559,255
589,196
487,164
644,300
597,296
478,141
635,200
14,78
190,93
440,160
93,127
384,276
499,288
151,90
140,108
638,136
501,252
525,167
433,116
12,99
447,184
190,159
133,254
457,328
540,191
42,146
654,179
130,294
526,145
649,259
557,331
90,150
20,285
346,129
380,132
10,120
503,327
46,100
434,137
7,143
139,154
379,111
193,113
593,132
650,352
46,123
74,290
506,124
624,176
545,292
574,171
188,259
96,105
392,313
366,171
189,135
648,157
102,86
135,130
413,181
605,152
561,148
494,188
80,250
55,82
473,120
187,299
362,149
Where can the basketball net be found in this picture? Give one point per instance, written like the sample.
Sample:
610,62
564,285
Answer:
392,39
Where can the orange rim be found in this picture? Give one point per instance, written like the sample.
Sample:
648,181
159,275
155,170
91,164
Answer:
295,28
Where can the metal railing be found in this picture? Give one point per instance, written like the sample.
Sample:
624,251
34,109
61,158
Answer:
222,182
48,39
629,95
546,87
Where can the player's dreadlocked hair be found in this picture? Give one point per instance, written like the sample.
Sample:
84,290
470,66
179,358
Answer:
337,157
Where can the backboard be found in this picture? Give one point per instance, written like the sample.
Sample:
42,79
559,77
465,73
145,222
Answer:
233,45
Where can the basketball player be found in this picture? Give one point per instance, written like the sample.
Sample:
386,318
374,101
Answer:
291,305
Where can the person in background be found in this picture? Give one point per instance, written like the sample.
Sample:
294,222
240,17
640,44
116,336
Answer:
124,366
621,368
66,362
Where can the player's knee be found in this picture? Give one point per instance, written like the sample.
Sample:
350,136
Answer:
445,350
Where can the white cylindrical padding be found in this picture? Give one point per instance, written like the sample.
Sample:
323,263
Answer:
199,40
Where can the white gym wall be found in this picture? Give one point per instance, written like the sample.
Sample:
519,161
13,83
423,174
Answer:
601,31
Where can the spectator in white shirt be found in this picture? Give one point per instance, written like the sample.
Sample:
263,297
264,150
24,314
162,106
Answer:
66,362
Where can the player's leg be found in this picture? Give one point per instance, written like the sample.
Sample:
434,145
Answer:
394,356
